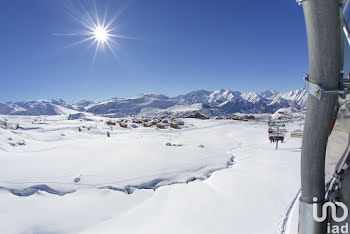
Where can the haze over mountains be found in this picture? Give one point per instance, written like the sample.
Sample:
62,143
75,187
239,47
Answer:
211,103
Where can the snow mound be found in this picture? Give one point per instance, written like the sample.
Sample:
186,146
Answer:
286,113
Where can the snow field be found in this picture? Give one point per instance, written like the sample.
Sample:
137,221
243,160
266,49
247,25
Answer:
251,194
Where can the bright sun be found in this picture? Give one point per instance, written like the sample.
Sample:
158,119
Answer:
100,34
98,30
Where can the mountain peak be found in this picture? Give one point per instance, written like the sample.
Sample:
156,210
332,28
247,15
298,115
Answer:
269,94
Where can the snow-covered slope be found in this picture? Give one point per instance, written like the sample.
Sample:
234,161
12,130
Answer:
9,108
132,106
40,107
200,96
82,105
173,110
79,106
241,178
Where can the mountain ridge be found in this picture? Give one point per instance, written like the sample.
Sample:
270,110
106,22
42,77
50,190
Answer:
220,102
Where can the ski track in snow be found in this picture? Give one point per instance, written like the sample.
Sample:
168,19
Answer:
286,217
128,189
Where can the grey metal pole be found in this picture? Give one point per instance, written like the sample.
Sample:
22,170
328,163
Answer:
322,20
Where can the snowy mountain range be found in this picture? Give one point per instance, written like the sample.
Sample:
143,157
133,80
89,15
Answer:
219,102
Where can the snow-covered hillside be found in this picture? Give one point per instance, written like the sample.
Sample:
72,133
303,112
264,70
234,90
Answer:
132,106
208,176
219,102
10,108
42,107
200,96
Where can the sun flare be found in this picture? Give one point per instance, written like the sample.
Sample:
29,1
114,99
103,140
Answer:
101,32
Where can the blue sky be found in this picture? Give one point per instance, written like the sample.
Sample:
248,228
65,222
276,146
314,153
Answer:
179,46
